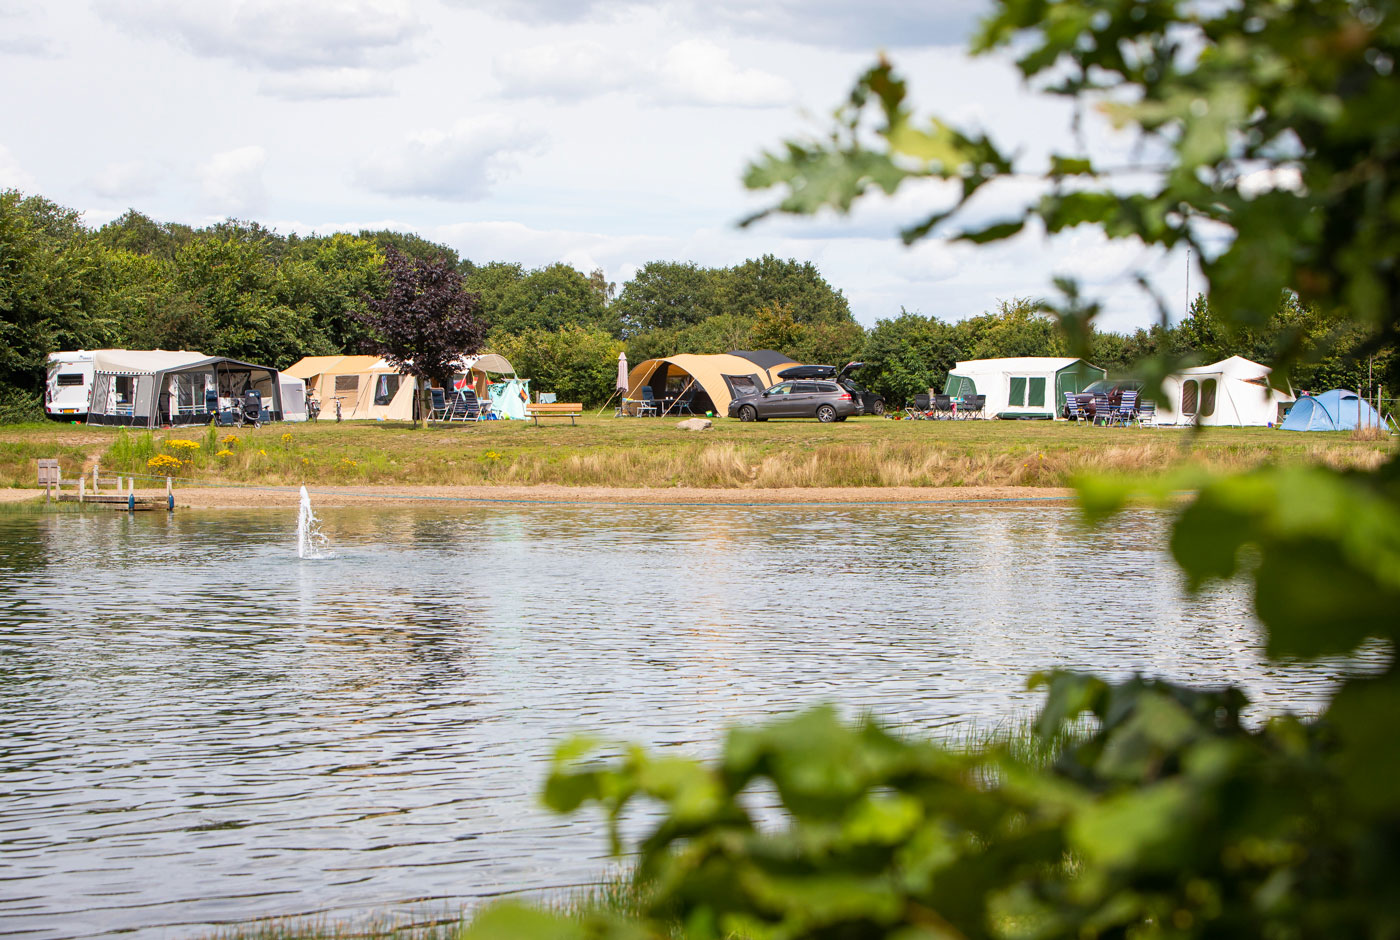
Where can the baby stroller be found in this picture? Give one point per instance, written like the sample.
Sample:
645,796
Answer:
247,409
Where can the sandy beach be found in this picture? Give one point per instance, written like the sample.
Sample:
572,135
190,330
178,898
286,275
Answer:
270,497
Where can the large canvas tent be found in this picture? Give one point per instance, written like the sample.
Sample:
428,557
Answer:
1234,392
370,388
365,386
151,388
718,378
1024,386
1337,410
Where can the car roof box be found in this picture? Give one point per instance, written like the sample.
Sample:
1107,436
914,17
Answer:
808,372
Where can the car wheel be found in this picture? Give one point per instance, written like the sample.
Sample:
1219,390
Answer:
826,414
748,413
878,410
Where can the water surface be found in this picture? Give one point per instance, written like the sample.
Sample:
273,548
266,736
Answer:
200,728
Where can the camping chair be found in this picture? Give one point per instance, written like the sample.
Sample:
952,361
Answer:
943,406
1147,413
1073,409
919,409
465,407
1103,411
973,405
648,403
437,409
1127,408
682,404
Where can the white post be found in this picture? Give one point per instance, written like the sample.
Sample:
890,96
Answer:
82,488
94,479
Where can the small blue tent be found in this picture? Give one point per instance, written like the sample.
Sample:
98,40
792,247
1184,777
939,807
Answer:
1336,410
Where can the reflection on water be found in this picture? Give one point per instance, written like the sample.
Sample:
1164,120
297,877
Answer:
198,727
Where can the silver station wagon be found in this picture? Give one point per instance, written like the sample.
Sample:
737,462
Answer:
798,398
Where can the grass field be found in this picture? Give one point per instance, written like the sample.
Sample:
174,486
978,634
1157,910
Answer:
605,451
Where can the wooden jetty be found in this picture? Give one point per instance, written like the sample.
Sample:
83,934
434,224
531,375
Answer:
124,498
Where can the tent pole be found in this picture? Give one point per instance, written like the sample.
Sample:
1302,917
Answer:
606,403
684,389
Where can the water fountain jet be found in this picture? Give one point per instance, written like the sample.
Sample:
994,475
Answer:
311,542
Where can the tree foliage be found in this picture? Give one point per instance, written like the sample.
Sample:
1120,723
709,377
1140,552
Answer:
426,321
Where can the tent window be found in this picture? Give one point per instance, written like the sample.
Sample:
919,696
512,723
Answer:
1190,394
384,390
1017,398
347,383
126,389
743,385
1036,392
1207,398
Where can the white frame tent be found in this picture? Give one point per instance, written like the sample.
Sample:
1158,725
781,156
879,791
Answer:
1022,387
1234,392
151,388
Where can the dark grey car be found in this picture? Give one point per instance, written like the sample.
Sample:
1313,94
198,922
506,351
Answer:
825,401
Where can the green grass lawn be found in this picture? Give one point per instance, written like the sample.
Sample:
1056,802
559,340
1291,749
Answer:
607,451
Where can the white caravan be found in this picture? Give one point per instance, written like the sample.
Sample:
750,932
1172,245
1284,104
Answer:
68,392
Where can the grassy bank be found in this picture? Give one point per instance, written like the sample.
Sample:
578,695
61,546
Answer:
606,451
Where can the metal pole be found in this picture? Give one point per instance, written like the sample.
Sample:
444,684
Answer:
169,496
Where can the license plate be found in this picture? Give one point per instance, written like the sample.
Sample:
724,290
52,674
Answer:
70,411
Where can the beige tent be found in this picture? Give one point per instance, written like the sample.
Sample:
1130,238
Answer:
719,377
368,387
365,386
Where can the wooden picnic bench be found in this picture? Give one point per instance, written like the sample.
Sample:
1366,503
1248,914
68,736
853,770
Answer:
570,410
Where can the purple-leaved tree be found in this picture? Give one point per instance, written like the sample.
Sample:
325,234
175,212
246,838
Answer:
425,322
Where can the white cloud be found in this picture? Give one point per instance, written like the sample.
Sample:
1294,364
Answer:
233,181
692,72
566,70
125,180
14,176
700,72
325,83
463,163
277,34
841,24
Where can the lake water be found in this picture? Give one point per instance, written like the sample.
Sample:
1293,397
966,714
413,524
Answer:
199,728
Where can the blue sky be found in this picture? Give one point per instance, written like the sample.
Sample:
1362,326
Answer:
602,134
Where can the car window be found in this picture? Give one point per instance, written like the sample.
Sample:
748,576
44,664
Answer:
783,388
827,388
805,388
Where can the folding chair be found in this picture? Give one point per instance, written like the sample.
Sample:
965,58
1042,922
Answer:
1073,409
1127,408
437,407
1103,412
973,406
648,404
943,406
1147,413
919,409
465,407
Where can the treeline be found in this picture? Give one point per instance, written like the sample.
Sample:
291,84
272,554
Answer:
239,289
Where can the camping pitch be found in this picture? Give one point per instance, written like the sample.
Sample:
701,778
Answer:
1022,386
1234,392
1337,410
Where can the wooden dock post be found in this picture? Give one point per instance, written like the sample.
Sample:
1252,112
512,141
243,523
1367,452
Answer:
169,495
94,479
82,488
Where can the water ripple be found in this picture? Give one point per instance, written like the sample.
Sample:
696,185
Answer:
199,728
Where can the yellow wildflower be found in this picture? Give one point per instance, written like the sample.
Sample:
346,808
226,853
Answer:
224,453
287,437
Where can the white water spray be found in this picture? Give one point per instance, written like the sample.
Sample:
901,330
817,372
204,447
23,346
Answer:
311,543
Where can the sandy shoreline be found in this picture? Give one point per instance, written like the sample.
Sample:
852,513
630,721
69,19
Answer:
237,497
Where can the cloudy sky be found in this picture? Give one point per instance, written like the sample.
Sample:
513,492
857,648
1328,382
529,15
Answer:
601,133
